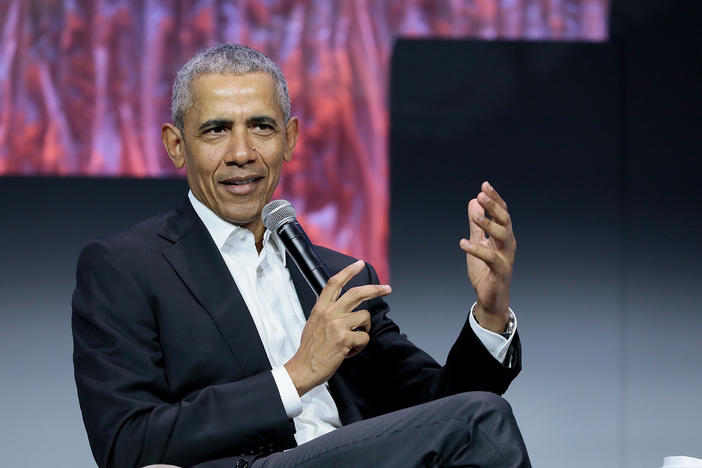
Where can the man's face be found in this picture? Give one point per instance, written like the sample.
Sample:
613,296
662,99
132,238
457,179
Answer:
234,143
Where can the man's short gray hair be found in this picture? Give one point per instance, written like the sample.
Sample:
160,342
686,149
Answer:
224,59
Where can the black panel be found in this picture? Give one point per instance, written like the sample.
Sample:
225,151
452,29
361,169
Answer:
541,121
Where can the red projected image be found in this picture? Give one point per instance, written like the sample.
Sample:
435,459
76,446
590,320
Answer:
85,86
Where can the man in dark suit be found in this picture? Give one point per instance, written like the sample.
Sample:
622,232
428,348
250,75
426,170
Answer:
198,342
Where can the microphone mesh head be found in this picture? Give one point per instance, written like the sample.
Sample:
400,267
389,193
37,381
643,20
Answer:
276,213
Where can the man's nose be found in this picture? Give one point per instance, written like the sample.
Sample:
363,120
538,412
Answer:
241,151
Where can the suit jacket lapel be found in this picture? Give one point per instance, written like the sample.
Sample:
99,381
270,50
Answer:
200,265
304,292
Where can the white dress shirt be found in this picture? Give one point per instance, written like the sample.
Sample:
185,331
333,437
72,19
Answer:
265,285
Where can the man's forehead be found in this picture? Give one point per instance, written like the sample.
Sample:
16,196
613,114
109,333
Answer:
223,83
218,93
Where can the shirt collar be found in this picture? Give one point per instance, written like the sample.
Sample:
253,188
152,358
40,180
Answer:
220,230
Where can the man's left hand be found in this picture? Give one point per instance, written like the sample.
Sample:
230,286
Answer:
490,257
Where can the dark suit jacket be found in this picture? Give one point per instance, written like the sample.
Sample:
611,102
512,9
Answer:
170,368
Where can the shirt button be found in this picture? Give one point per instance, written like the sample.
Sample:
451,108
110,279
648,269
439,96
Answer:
259,272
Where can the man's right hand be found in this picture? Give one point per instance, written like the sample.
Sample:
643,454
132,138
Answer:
333,332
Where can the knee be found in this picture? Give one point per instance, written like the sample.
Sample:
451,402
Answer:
493,403
484,403
492,428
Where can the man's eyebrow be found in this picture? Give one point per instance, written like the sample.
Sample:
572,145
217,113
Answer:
215,123
262,119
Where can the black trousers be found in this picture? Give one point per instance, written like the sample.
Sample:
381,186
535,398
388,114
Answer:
475,429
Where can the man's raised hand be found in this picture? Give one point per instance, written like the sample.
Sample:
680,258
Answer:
333,331
490,258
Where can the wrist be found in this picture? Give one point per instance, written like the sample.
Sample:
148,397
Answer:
298,376
496,322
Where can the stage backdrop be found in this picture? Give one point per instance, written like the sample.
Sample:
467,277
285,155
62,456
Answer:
85,86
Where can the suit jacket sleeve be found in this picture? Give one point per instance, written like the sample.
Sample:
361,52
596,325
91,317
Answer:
132,416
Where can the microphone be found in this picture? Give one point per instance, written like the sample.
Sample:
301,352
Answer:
279,216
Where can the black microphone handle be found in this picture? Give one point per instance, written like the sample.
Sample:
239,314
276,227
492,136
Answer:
305,256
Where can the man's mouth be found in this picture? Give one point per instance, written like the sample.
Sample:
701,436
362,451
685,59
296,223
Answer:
238,181
241,185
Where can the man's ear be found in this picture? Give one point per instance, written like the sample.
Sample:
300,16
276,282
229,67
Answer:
173,142
291,130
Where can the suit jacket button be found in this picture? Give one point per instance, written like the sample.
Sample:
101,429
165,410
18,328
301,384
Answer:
242,463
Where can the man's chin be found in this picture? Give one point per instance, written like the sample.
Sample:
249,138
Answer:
241,214
241,219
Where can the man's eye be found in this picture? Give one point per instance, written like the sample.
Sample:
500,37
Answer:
263,128
215,130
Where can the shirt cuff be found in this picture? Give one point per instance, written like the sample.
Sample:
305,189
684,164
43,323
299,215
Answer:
495,343
288,393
